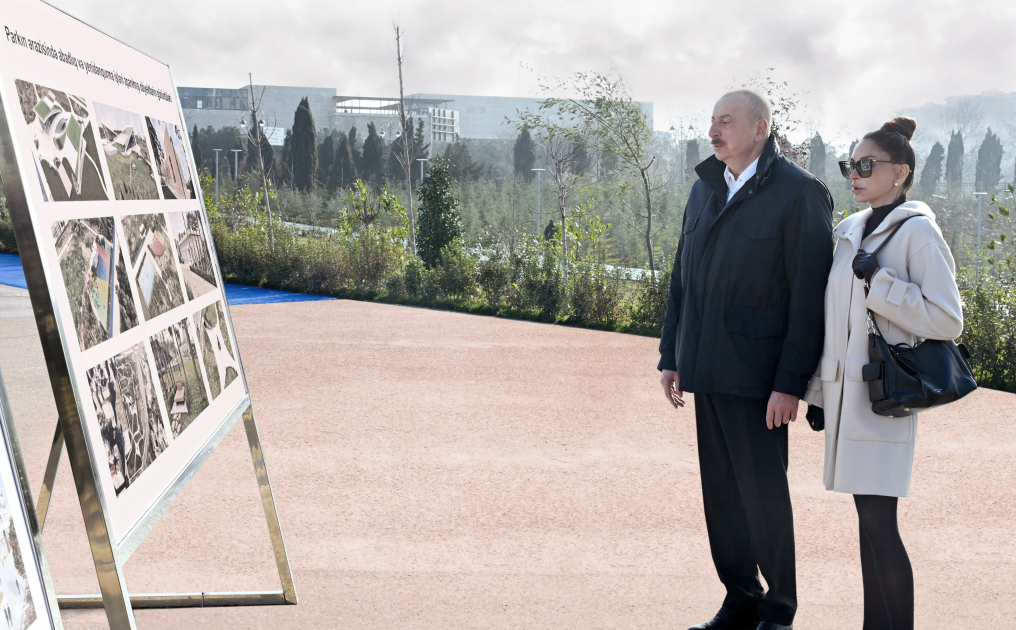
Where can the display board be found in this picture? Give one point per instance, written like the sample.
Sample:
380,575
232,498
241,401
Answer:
27,601
125,250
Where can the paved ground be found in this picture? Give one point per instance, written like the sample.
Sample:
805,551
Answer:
437,470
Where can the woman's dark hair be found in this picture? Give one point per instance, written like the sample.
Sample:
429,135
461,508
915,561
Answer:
894,138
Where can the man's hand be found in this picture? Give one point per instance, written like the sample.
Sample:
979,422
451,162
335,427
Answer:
672,388
782,409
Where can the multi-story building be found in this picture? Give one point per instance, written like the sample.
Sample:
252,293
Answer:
446,117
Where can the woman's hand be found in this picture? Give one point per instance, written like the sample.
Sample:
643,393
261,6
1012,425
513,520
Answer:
865,266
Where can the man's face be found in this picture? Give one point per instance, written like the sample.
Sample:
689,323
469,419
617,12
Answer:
734,131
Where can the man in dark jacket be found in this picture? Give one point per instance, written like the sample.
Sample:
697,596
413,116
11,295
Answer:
744,333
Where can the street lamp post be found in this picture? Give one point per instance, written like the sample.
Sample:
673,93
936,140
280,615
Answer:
539,223
421,161
216,174
236,162
977,274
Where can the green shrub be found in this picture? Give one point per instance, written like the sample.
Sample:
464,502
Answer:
989,332
597,294
439,221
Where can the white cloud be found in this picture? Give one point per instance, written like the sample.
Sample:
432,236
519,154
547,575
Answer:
858,61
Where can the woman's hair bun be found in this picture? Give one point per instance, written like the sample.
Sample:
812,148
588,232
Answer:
903,125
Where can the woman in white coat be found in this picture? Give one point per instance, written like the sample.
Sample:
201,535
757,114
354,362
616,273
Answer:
911,289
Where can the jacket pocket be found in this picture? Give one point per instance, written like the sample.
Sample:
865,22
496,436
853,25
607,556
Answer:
829,369
690,223
857,421
756,324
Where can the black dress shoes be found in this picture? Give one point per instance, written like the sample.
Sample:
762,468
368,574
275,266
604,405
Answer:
772,625
730,619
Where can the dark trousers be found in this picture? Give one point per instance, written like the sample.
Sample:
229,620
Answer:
747,503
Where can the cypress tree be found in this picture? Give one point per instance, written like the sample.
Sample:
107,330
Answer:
394,163
817,164
421,150
326,155
354,149
525,156
692,158
932,171
259,139
439,222
196,148
304,147
460,164
343,167
286,163
989,163
954,159
373,157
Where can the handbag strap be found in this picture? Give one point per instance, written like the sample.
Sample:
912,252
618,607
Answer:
872,324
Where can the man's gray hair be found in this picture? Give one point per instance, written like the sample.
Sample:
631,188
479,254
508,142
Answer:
757,104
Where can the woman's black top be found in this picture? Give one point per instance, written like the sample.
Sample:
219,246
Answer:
879,214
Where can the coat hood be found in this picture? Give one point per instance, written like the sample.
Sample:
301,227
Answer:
852,227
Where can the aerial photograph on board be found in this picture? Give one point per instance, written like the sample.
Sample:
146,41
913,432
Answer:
152,265
127,409
187,230
125,144
220,360
177,360
171,159
15,595
98,289
66,155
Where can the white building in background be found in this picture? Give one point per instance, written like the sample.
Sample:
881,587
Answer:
446,117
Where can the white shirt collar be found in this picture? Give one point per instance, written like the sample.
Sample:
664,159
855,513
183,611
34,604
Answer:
734,184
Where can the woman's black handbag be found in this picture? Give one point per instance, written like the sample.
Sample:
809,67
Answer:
903,380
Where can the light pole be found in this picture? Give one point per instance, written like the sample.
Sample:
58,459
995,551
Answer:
216,174
236,162
539,224
977,274
421,161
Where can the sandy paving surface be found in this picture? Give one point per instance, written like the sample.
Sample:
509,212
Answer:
438,470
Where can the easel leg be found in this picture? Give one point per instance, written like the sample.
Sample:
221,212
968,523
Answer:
268,501
52,466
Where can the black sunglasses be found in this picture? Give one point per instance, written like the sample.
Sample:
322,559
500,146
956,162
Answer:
864,166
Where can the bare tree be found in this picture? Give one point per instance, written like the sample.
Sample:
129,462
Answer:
789,115
256,137
407,139
621,126
564,148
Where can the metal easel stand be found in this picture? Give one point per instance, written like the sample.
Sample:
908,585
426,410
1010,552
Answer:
191,600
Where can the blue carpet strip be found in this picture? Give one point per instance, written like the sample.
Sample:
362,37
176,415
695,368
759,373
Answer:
11,274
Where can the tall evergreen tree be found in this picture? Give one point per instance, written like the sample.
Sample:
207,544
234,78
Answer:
393,165
326,155
285,168
954,159
304,143
343,167
988,169
460,164
196,149
355,149
525,156
421,151
373,157
691,155
439,221
817,162
932,171
259,143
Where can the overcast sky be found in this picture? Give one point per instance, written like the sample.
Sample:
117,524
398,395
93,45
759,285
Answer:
857,61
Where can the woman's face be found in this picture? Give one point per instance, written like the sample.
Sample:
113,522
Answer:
886,182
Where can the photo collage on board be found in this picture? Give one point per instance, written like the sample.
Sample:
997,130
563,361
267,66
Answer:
127,267
17,608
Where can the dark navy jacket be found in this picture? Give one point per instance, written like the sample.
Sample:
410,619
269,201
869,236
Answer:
746,312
